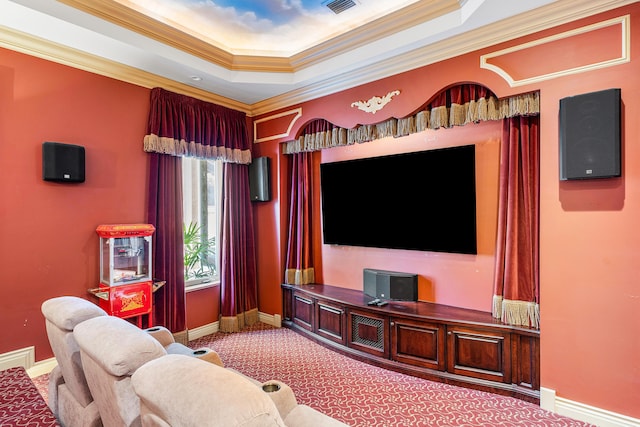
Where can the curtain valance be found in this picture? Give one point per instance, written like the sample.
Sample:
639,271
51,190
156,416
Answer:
180,125
457,106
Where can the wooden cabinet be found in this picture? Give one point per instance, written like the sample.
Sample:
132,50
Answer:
433,341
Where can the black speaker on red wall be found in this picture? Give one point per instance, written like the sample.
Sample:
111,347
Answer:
259,182
62,162
590,135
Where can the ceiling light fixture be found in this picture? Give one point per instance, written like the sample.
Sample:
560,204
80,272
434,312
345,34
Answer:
196,78
338,6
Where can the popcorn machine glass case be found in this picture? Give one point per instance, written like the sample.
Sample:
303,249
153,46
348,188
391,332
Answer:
125,269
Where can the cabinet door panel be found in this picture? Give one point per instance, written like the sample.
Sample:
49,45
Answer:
479,354
303,311
526,361
418,343
330,321
368,332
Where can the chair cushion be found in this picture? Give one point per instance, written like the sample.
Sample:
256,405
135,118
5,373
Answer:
117,345
186,391
67,311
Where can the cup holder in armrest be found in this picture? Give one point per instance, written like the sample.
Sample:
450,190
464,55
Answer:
271,387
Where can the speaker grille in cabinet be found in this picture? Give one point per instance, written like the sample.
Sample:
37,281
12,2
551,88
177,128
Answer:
367,331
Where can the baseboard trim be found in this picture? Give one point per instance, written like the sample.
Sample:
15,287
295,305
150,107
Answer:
24,357
42,367
204,330
271,319
580,411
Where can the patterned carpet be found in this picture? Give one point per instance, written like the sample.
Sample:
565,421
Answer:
20,403
359,394
362,395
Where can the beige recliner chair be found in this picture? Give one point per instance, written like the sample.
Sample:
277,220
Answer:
69,397
180,391
111,350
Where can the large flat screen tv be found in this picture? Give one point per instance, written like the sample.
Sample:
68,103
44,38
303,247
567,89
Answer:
422,201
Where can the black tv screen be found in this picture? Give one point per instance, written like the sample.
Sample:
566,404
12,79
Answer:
422,201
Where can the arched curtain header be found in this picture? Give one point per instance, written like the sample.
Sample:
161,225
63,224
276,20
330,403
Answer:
180,125
456,106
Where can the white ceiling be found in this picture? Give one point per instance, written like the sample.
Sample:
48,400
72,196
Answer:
141,41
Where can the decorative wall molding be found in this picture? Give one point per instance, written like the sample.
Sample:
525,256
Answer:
376,103
275,126
579,411
516,73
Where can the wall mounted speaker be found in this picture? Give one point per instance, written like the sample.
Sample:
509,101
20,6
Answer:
259,179
590,135
62,162
390,285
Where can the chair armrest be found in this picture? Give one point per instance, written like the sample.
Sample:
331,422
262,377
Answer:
282,395
162,334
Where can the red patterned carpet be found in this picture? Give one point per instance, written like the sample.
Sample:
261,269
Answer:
362,395
20,402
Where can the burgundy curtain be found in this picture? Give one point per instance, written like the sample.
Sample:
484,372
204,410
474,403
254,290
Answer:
183,126
165,213
180,125
239,292
458,105
299,261
299,269
517,289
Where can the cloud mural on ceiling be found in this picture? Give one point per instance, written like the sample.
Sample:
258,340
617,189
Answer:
265,27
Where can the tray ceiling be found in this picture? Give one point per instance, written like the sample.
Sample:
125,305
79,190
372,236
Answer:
261,55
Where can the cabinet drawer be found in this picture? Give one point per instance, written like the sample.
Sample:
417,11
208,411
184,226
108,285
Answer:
479,353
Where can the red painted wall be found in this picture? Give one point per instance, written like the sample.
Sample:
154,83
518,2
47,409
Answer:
203,307
590,241
48,243
589,235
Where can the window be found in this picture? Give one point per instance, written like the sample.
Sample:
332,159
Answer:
201,188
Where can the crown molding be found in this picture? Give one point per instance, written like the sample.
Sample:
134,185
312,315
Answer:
537,20
540,19
45,49
211,51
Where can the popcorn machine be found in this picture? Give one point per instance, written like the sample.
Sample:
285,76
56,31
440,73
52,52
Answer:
126,283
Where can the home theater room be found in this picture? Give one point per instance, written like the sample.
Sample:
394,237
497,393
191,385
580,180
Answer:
320,213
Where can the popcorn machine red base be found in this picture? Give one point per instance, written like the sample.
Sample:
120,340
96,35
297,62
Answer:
126,285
